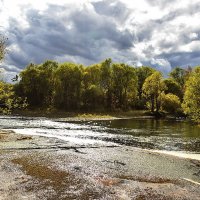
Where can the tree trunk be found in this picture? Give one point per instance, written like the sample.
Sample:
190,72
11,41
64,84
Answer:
157,105
152,103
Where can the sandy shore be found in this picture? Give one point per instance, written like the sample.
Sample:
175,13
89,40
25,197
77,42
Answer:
48,168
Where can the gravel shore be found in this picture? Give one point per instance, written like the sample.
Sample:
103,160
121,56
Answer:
34,167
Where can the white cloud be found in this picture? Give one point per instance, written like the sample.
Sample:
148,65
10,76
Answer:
164,33
193,36
161,64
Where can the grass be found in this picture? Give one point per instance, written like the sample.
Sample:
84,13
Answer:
80,115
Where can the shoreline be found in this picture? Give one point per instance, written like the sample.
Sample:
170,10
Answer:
86,115
62,116
179,154
108,172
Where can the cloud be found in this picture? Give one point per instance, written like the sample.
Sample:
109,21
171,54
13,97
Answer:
161,3
112,9
56,33
163,33
161,64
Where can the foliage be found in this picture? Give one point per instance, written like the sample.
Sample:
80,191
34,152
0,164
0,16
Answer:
171,103
107,86
124,82
2,47
104,86
152,90
92,98
142,73
68,86
37,83
67,82
178,78
191,103
8,100
178,75
173,87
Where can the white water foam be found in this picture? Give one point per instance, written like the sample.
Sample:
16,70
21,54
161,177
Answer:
179,154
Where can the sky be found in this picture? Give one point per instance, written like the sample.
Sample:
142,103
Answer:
158,33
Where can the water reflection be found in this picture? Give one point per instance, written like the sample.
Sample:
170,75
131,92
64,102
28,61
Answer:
162,134
155,127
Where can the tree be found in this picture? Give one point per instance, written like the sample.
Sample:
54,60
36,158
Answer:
152,90
173,87
93,98
31,85
68,79
171,103
8,99
103,86
142,73
106,82
92,75
180,76
2,47
124,83
191,101
47,70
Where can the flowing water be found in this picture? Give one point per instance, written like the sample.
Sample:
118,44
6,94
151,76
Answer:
169,136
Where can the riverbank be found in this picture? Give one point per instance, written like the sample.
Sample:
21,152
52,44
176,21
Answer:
82,115
93,116
34,167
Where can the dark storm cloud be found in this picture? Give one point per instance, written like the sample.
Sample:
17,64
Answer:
145,31
17,57
57,32
95,31
183,58
93,27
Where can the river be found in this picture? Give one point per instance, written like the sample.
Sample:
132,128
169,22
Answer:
104,159
177,137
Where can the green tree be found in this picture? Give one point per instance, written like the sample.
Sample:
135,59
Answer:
173,87
68,78
142,73
152,88
31,85
92,75
92,93
2,47
37,83
93,98
8,100
180,76
104,85
106,82
47,82
97,81
124,81
171,103
191,102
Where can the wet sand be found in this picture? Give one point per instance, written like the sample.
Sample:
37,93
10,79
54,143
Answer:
34,167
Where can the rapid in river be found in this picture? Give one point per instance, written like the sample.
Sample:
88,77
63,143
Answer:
175,137
43,158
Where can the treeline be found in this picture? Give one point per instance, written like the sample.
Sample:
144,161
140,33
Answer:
109,86
9,100
68,86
